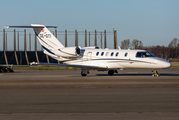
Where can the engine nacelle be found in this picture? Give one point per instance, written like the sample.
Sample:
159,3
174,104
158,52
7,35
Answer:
92,47
69,51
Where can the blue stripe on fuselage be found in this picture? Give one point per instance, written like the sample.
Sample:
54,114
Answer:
48,50
121,60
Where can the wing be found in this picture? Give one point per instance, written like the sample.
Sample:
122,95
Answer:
69,65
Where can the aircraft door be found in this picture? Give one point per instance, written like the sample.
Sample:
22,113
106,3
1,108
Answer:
89,54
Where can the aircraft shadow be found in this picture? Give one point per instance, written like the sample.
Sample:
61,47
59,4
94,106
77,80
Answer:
137,74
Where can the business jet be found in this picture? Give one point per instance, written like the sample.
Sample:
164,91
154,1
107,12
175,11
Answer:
94,58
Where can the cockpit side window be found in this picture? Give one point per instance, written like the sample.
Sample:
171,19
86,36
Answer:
138,54
147,54
144,54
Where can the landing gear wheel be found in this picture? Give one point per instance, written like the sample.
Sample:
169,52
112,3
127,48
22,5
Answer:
111,72
156,74
82,74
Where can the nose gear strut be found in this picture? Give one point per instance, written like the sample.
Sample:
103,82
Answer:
156,74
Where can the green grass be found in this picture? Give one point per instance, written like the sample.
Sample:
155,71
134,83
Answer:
175,64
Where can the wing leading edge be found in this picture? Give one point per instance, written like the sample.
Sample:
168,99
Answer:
68,65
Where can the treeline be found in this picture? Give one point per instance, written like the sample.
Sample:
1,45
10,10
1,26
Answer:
170,52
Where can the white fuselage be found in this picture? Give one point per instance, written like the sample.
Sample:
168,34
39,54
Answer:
88,58
114,59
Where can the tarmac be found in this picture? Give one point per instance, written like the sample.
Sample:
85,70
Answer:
65,94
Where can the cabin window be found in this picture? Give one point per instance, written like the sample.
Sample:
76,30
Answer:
102,53
112,53
125,54
117,54
107,53
97,53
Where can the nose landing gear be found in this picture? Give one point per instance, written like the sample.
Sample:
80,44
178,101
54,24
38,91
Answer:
156,74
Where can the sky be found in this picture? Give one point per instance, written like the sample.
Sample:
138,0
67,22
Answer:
154,22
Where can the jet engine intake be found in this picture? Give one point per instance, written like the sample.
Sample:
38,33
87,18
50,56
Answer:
69,51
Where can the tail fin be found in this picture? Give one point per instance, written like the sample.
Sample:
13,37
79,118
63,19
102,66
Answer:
46,38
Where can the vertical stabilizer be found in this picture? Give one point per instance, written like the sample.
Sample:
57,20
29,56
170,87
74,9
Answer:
46,38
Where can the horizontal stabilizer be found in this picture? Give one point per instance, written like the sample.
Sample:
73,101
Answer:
32,26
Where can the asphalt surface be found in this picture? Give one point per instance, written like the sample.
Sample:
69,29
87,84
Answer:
65,94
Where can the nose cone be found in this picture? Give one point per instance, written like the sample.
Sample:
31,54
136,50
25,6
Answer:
161,63
165,64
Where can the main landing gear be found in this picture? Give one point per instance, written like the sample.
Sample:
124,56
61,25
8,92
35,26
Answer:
111,72
156,74
84,72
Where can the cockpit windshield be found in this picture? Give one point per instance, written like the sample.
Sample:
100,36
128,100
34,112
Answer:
144,54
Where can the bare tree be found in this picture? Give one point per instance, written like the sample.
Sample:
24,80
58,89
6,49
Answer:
125,44
166,53
173,43
177,48
173,48
136,44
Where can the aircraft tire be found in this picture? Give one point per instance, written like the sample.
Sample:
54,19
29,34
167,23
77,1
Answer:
111,72
82,74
